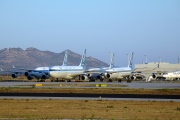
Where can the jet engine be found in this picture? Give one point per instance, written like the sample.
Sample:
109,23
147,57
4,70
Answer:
84,77
154,75
14,75
132,77
30,77
45,76
26,74
107,75
99,77
89,75
95,76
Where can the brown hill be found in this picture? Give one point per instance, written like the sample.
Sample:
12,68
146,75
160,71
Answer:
32,57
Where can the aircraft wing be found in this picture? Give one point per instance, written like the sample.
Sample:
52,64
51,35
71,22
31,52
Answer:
11,71
96,70
29,70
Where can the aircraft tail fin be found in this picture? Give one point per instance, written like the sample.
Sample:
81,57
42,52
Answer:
131,60
83,59
65,59
112,61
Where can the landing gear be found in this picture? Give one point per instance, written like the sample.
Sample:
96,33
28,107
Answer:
110,80
102,80
68,80
129,81
92,80
41,80
119,80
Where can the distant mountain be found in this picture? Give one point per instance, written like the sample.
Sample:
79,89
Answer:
32,57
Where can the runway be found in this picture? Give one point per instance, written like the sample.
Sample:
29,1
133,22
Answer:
138,85
83,98
90,96
135,85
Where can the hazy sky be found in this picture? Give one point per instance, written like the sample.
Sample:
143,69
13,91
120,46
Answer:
145,27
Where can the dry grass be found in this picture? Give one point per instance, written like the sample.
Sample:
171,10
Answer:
19,78
83,109
8,77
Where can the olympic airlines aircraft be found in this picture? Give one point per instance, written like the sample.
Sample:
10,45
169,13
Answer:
172,75
13,73
120,72
98,73
68,72
42,72
38,73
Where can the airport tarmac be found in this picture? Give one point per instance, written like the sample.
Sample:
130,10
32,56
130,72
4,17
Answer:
88,98
136,85
144,85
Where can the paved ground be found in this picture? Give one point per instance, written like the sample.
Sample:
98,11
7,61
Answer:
154,85
144,85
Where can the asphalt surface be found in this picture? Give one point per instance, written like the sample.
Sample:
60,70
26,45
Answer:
143,85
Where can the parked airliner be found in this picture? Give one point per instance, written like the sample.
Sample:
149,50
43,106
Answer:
119,73
172,75
69,72
98,73
40,73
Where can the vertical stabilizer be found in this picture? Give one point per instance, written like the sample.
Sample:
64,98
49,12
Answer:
131,60
65,58
112,61
83,59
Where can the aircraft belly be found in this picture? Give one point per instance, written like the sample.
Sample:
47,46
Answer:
57,74
72,74
114,75
37,76
65,74
120,75
125,74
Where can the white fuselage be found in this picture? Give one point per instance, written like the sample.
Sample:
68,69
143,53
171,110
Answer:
172,75
93,70
66,72
119,73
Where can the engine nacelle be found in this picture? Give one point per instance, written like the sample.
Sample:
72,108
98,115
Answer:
14,75
94,76
132,77
154,75
30,77
107,75
88,74
45,76
84,77
99,77
26,74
